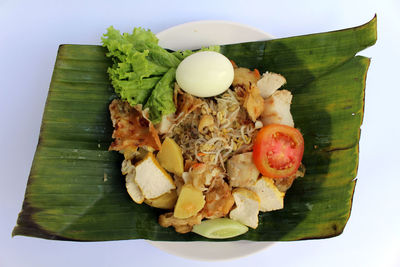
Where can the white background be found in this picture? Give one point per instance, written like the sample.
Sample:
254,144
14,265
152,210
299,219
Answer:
31,32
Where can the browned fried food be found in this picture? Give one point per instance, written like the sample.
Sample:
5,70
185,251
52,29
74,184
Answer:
201,175
186,103
243,77
219,199
131,128
188,164
245,84
283,184
242,171
179,182
253,102
181,225
277,109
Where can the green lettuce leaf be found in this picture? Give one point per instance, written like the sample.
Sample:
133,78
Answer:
159,103
138,70
181,54
142,71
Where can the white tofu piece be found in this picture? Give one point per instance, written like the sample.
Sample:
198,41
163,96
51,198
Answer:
269,83
277,109
133,190
241,170
270,196
247,207
152,179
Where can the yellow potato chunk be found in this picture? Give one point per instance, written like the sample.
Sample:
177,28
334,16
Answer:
189,203
166,201
170,157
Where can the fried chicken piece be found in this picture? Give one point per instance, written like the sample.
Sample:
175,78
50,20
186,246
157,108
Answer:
277,109
182,226
241,170
219,200
201,175
185,103
243,77
253,102
269,83
131,129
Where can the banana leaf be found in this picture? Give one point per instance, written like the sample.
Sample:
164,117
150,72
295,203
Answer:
75,189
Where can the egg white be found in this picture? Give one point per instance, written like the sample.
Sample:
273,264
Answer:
205,74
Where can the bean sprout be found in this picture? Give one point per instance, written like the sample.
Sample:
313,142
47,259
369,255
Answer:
230,134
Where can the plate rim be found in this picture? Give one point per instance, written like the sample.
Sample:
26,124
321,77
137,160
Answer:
192,27
213,22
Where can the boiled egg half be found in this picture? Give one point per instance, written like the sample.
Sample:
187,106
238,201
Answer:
205,74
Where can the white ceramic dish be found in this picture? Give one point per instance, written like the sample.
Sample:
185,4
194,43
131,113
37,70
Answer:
194,35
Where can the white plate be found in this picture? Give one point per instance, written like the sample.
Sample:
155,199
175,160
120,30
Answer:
195,35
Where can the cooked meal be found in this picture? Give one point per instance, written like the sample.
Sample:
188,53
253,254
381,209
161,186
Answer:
210,142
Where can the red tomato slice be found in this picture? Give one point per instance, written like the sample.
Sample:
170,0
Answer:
278,150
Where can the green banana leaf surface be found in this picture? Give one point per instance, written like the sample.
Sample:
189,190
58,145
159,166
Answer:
76,191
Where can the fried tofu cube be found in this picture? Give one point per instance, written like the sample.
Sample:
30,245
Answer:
133,190
151,178
270,196
247,207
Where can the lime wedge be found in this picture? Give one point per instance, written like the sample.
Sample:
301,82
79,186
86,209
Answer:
220,228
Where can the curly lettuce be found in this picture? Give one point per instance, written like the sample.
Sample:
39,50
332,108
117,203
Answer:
142,71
